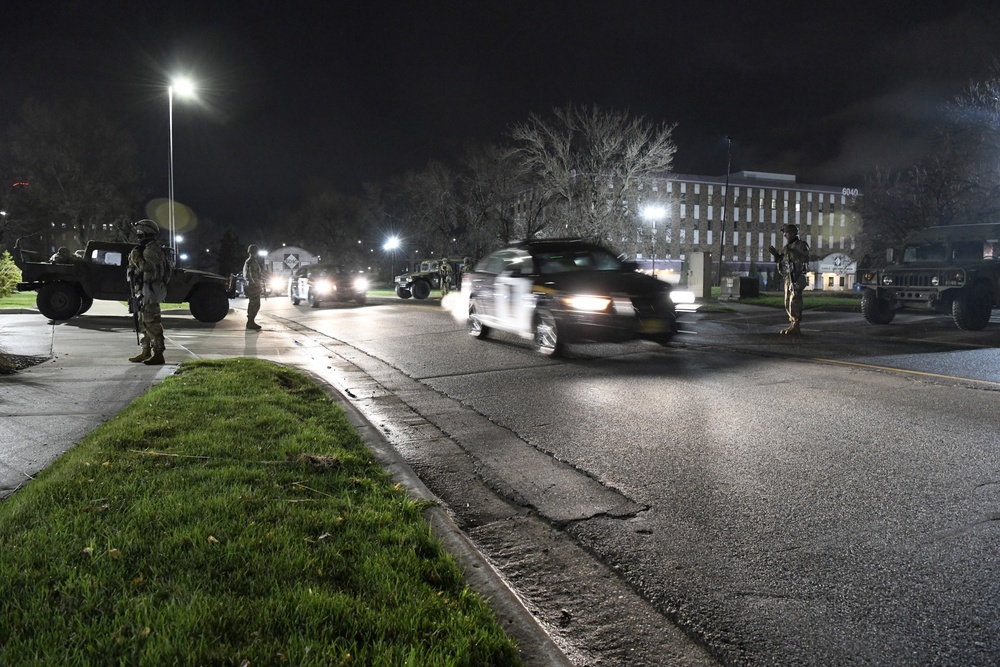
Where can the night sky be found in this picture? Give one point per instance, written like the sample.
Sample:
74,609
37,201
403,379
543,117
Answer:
295,96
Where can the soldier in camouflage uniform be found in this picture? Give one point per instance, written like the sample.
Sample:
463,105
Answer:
792,264
467,267
254,276
148,273
446,273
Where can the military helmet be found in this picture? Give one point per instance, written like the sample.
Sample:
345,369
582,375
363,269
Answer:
790,228
252,249
146,228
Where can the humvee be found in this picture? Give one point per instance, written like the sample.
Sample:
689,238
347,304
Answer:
952,270
427,277
68,290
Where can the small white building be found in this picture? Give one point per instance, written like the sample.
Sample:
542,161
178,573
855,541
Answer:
282,261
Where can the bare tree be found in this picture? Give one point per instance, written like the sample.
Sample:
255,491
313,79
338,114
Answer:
585,165
81,168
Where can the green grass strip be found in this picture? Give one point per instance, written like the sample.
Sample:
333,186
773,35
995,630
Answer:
231,516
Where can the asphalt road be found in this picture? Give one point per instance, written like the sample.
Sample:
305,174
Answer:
825,500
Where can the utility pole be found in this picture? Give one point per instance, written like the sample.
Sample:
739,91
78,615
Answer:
725,205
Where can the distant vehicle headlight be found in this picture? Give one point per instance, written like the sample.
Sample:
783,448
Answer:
682,296
360,284
592,304
277,283
324,287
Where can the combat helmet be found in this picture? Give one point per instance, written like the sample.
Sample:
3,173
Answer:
146,229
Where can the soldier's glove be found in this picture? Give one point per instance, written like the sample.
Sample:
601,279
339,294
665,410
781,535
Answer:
774,252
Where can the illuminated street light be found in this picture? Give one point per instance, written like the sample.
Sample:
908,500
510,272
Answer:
184,88
654,213
391,245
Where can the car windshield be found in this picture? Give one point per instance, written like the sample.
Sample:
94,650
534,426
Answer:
576,259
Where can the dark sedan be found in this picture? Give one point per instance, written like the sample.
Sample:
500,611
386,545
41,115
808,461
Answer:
322,283
562,291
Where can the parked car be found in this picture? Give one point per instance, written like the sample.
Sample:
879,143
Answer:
560,291
323,283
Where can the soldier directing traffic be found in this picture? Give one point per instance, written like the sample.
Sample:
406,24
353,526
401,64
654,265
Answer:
792,264
148,273
446,274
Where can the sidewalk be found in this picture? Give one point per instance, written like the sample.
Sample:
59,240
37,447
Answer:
87,380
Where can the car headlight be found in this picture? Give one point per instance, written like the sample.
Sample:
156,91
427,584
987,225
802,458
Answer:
277,283
360,284
681,296
886,280
592,304
935,281
324,287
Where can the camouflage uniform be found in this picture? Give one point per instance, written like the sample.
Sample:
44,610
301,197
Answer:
62,256
253,274
467,267
148,271
792,264
446,273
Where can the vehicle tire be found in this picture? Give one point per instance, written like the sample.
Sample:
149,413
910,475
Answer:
545,338
312,300
361,299
294,299
209,303
876,310
85,303
402,292
420,290
476,327
59,300
972,307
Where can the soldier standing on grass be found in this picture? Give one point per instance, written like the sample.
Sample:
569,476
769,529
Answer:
148,273
792,264
253,274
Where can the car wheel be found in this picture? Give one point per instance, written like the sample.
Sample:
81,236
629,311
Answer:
294,299
85,303
420,290
361,299
403,293
476,327
546,339
209,304
58,300
876,310
971,308
312,300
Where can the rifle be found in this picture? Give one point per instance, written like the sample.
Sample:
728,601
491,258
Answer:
134,305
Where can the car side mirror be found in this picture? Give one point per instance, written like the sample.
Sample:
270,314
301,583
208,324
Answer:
630,265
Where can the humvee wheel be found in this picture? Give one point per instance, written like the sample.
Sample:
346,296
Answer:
209,303
58,300
971,308
421,290
876,310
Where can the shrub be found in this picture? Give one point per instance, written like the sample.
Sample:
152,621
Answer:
10,275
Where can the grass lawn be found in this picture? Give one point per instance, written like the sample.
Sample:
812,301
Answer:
230,516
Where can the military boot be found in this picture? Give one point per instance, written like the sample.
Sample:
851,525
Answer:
792,330
142,356
253,325
155,360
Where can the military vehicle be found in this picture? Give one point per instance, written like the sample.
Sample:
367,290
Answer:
427,277
67,290
953,270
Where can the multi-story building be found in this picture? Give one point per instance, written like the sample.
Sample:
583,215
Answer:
739,217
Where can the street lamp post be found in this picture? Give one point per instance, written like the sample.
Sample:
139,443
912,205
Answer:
725,205
654,213
184,88
391,244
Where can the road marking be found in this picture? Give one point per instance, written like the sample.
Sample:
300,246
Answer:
906,371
